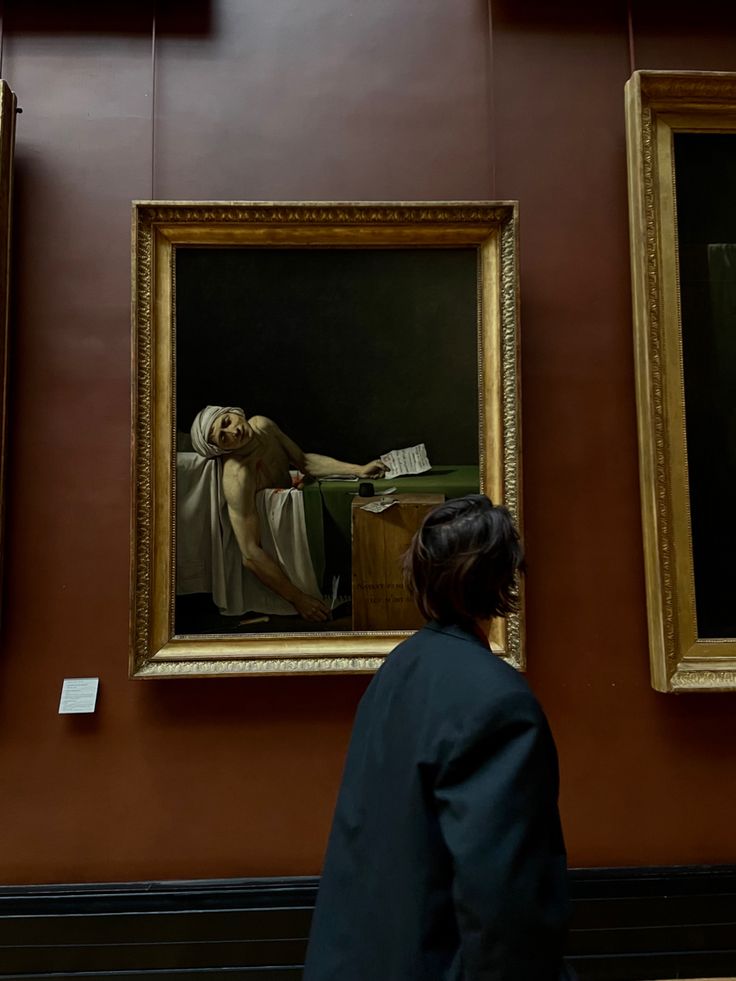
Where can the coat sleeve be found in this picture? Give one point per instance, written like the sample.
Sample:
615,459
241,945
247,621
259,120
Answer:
496,795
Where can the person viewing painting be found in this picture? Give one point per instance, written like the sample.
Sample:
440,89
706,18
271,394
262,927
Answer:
446,859
257,455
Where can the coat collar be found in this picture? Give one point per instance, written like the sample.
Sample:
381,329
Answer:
462,633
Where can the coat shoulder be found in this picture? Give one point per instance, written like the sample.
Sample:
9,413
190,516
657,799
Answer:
456,668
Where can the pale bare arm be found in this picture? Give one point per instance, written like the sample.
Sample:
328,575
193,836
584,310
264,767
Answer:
317,465
239,490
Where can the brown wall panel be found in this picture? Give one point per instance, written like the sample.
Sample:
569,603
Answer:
684,36
628,754
85,119
193,778
276,99
327,101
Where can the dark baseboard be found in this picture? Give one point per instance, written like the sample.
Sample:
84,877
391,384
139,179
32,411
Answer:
628,925
641,924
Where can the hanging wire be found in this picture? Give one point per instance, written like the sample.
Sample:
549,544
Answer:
632,54
491,102
153,99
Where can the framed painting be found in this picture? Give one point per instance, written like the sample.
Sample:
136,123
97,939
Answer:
681,134
8,109
309,380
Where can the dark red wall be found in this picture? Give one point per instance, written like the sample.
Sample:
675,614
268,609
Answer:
335,99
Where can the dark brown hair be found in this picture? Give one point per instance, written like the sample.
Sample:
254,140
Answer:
463,563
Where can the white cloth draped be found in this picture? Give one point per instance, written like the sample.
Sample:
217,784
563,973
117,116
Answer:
208,559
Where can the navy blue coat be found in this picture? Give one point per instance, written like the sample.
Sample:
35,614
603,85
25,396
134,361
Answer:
446,860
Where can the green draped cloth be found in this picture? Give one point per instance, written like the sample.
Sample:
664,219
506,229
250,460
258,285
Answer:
327,511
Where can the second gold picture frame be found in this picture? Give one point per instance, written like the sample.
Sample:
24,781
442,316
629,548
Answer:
681,134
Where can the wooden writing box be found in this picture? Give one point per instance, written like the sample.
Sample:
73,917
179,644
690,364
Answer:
380,599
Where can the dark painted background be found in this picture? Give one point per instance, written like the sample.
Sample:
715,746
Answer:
705,168
353,352
341,100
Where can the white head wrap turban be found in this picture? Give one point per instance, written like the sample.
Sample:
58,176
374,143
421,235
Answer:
201,429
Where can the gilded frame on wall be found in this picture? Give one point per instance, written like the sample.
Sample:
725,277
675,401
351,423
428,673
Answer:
8,109
488,231
662,110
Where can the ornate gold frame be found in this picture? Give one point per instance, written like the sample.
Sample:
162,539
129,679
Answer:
158,228
659,104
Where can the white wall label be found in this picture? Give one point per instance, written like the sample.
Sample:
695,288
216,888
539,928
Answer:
78,695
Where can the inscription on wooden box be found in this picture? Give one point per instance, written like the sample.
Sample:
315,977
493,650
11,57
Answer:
380,599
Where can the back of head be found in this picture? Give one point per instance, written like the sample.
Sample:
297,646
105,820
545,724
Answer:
463,563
